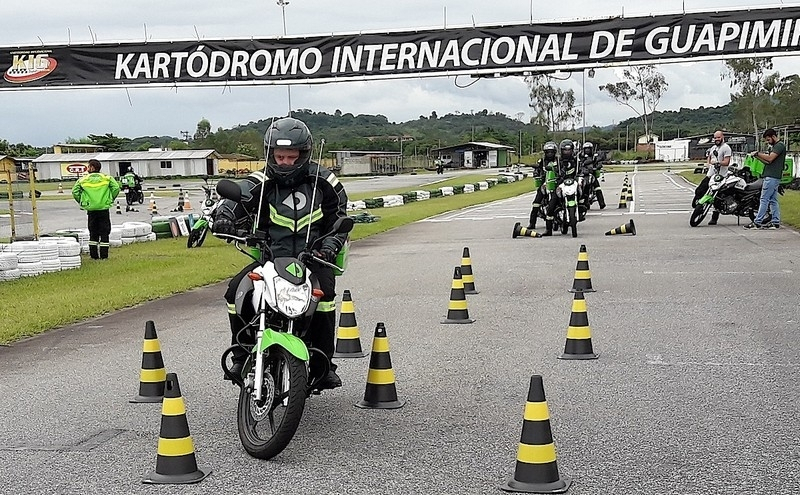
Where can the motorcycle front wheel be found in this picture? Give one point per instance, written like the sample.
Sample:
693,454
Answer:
562,220
573,221
193,239
699,213
202,237
267,426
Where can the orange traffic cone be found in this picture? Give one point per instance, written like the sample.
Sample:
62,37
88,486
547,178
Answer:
381,392
175,461
153,374
579,335
466,273
348,340
628,228
583,276
536,470
457,311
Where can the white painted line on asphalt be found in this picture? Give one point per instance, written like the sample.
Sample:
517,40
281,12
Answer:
657,360
782,272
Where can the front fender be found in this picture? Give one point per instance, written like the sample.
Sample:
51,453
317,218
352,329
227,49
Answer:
707,198
291,343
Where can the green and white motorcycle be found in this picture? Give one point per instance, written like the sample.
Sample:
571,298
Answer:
278,376
202,225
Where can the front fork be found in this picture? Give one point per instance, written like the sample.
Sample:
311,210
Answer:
258,367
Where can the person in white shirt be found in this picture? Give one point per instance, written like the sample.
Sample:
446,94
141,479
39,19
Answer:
718,160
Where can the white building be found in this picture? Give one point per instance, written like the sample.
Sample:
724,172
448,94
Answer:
153,163
674,150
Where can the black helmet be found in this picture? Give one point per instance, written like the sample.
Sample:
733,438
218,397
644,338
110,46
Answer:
588,149
287,133
567,148
550,149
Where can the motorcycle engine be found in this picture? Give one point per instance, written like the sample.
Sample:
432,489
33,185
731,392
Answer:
728,205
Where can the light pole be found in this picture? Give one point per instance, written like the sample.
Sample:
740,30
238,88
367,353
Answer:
583,98
283,4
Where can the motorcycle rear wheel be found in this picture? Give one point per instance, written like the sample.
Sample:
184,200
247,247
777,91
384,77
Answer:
699,213
267,436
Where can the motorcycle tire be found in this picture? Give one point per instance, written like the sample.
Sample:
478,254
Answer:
276,435
562,220
699,213
193,239
202,237
573,221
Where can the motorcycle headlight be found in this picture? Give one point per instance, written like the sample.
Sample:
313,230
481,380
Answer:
292,300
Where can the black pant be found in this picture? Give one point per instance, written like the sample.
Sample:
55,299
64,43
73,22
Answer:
701,190
322,330
537,205
99,230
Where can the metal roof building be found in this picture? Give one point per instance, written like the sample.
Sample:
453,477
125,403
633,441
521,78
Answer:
475,154
154,163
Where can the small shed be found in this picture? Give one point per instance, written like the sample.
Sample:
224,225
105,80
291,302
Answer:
475,154
367,162
154,163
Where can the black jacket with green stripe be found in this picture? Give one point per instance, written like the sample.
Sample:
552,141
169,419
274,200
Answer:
287,212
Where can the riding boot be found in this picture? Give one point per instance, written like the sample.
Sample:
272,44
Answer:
548,228
600,200
239,356
714,218
532,221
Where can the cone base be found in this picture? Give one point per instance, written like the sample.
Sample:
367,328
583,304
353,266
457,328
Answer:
147,398
340,355
465,320
581,290
560,486
579,356
471,291
178,479
394,404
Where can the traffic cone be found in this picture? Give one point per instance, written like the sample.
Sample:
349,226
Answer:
583,276
466,273
630,194
536,470
175,462
348,341
119,212
519,230
187,205
60,188
381,392
628,228
153,207
180,201
153,374
457,311
579,335
623,202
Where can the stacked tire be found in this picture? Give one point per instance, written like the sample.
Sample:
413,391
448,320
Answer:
29,256
161,228
69,251
8,264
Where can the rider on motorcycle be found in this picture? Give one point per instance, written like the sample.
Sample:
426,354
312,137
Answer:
550,150
591,166
718,159
567,168
286,214
132,184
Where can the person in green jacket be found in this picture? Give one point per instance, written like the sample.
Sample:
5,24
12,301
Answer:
96,192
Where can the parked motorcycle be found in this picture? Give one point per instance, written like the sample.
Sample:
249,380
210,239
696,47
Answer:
202,225
730,194
278,376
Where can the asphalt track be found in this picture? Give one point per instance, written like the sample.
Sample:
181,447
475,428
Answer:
694,391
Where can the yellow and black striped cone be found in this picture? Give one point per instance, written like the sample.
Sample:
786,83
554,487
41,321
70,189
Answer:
623,203
630,194
348,340
457,311
583,276
520,231
536,470
579,335
153,374
175,462
628,228
153,207
381,392
466,273
119,212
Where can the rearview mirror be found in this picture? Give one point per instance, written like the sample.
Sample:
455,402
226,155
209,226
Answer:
229,190
343,225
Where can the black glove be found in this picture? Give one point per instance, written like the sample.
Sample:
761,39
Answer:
223,225
325,255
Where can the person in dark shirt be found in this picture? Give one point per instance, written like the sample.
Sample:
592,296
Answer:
773,161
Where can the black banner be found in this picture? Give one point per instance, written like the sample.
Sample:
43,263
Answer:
492,50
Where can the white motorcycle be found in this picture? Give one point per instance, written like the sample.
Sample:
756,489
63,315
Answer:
201,226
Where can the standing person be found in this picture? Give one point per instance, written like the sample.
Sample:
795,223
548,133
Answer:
96,192
286,216
717,164
549,152
773,161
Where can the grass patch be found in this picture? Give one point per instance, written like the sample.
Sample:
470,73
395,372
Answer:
455,181
141,272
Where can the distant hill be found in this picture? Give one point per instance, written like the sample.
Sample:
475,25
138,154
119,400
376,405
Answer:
689,121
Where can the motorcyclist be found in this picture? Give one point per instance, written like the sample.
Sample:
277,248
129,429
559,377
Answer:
286,215
133,184
567,168
550,151
591,165
718,158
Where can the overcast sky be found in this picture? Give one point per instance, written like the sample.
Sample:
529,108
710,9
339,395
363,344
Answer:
45,117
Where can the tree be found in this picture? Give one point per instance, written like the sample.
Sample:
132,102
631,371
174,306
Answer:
643,85
203,129
110,142
755,87
554,106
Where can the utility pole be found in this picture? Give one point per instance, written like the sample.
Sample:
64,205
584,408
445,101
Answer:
283,4
626,138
